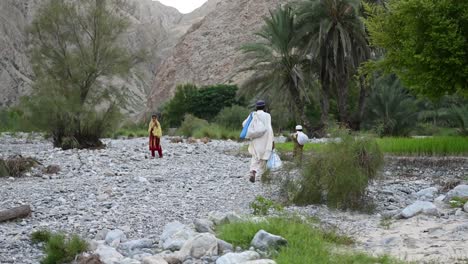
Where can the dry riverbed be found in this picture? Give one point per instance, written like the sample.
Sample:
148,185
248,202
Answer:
119,187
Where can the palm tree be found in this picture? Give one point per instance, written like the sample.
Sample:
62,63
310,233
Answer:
276,61
391,108
334,37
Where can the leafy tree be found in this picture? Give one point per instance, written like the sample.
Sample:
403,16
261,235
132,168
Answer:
392,110
205,102
335,40
180,104
426,44
277,62
74,54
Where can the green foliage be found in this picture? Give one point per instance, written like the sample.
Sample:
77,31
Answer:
204,103
74,50
190,125
58,247
277,63
262,205
425,43
431,146
41,236
459,114
232,117
391,110
340,173
306,244
334,36
458,202
14,119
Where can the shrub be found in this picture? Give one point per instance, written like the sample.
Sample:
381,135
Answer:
232,117
340,173
190,125
204,103
58,247
262,205
16,166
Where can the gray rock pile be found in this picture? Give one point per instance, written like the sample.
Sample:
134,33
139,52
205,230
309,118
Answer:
181,243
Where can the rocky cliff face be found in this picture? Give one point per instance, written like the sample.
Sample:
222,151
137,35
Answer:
201,47
155,28
15,69
209,52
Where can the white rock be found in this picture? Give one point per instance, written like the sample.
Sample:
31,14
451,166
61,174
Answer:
260,261
109,255
115,235
465,207
154,260
459,191
137,244
264,240
236,258
223,218
418,207
174,236
203,225
427,194
129,261
204,244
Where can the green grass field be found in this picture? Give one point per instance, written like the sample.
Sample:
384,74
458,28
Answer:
305,243
430,146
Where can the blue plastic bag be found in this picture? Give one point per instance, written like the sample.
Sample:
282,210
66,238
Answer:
243,134
274,162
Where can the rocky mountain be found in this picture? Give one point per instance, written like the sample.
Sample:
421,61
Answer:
155,28
201,47
209,52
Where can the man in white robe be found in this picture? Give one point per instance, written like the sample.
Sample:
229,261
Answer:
260,148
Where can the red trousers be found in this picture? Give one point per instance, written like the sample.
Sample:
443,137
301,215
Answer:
155,145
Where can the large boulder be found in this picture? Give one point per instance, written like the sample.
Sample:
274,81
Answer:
427,194
224,247
109,255
174,236
459,191
237,258
203,226
260,261
204,244
219,218
419,207
154,260
264,241
115,235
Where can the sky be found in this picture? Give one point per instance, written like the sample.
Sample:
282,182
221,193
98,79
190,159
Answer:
184,6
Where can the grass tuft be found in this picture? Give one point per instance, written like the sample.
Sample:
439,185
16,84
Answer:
58,247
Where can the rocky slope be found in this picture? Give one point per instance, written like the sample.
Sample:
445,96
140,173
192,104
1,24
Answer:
209,53
155,28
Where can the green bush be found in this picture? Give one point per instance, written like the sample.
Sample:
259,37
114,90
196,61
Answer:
190,125
205,102
262,205
58,247
232,117
340,173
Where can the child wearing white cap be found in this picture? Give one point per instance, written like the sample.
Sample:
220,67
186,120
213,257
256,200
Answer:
299,139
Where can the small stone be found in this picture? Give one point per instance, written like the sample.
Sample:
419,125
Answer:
465,207
154,260
203,226
237,258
